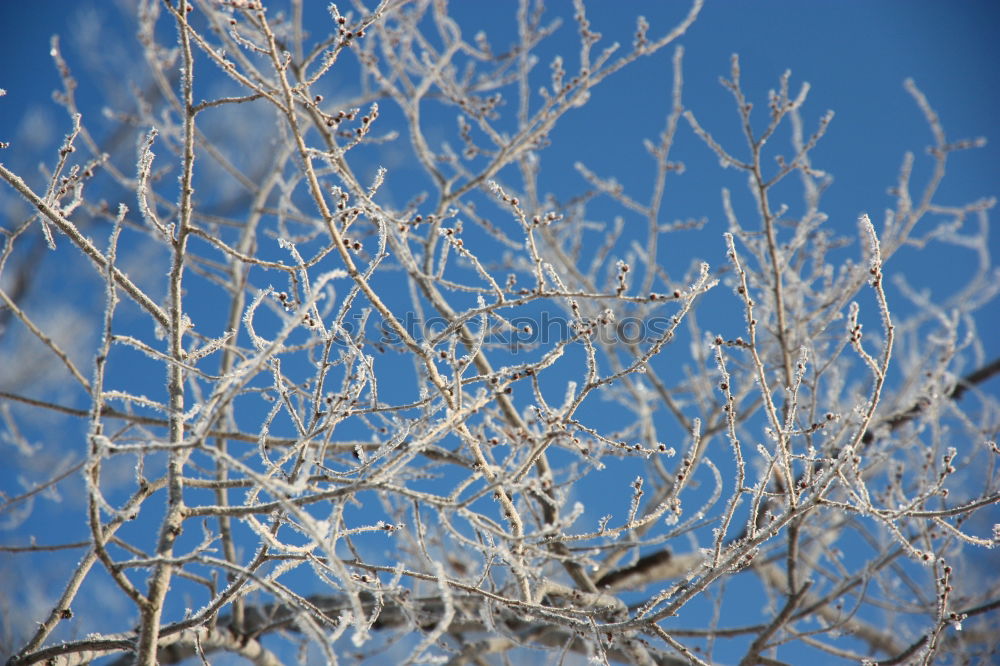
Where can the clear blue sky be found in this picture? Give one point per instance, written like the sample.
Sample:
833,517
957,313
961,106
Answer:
854,53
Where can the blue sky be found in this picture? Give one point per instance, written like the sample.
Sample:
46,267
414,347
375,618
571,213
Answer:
855,54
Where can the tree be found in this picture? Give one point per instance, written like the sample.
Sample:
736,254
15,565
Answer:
335,412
